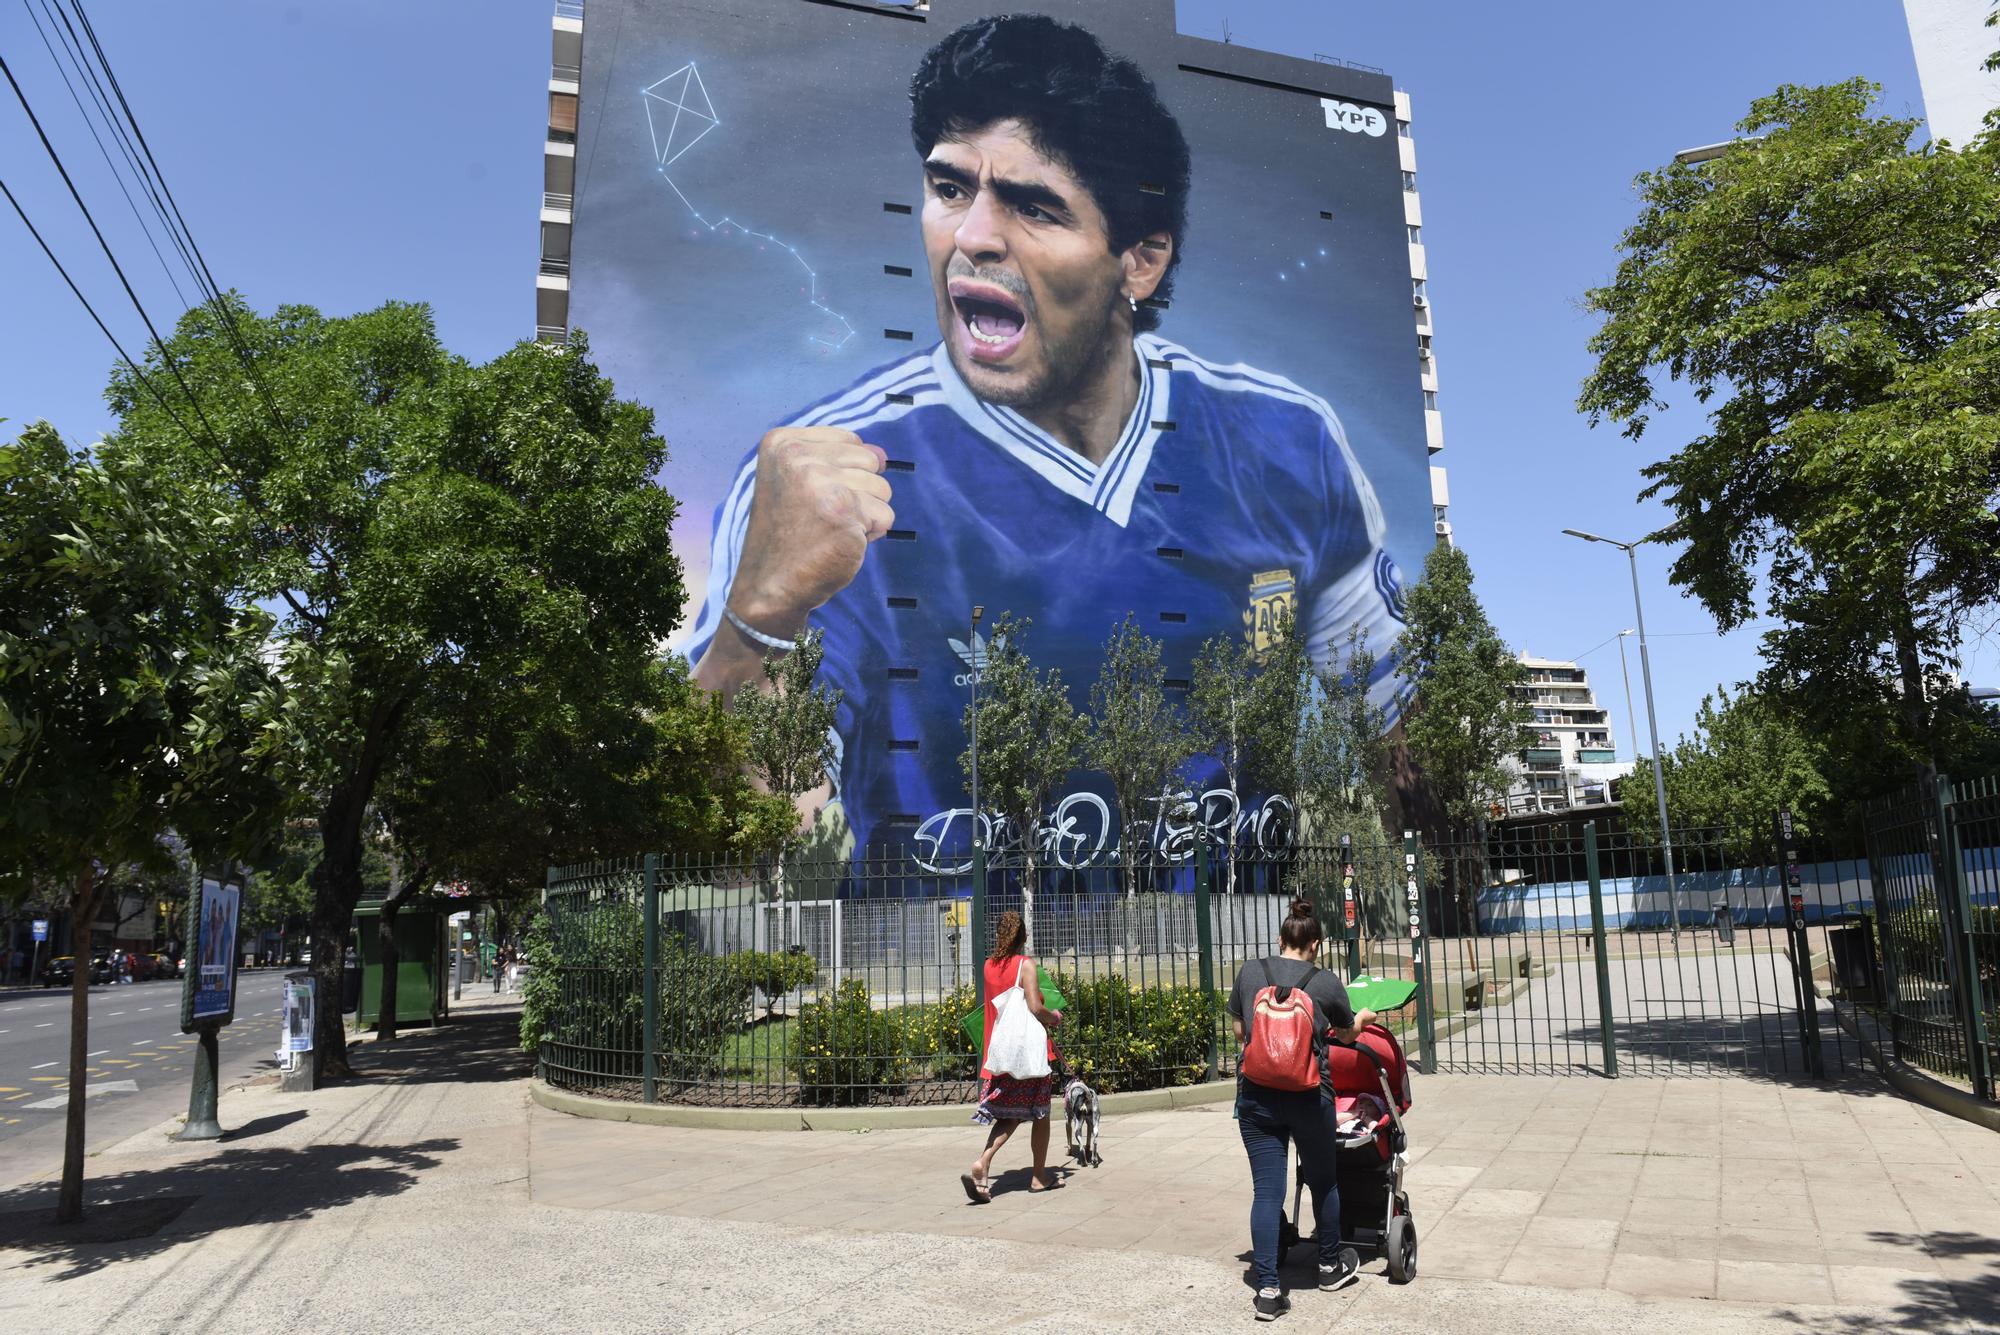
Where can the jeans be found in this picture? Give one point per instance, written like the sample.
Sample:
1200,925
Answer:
1271,1120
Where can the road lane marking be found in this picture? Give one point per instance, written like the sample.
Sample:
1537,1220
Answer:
47,1079
141,1042
144,1009
116,1061
45,1024
43,1067
99,1053
118,1012
90,1092
8,1089
12,1097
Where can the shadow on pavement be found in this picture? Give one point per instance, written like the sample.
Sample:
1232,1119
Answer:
263,1126
1751,1047
476,1048
127,1215
1964,1303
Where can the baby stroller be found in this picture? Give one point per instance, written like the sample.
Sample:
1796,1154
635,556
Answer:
1371,1086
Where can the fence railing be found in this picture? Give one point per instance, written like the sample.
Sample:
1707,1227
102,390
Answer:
812,980
1937,848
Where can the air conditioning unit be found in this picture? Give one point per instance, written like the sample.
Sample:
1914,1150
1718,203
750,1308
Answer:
1443,527
1419,300
1423,354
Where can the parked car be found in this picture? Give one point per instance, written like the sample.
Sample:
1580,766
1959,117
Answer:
101,968
164,965
59,971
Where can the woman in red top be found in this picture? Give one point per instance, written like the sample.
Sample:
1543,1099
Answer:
1004,1101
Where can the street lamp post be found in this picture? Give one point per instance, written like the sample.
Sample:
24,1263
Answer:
972,651
1631,550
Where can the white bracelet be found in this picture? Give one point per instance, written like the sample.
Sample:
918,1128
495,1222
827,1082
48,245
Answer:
751,632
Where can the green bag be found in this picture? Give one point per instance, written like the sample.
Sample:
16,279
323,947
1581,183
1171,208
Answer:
1380,994
974,1023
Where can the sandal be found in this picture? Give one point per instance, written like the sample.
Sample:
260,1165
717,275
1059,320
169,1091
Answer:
976,1191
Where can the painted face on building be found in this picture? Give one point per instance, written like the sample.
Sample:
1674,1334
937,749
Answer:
1031,299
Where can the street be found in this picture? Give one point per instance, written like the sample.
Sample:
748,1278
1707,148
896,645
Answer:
138,1058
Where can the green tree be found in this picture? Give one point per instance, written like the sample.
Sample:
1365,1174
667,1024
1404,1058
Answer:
1343,763
1745,760
1030,738
1138,737
1244,709
788,724
1464,721
437,531
1822,286
119,650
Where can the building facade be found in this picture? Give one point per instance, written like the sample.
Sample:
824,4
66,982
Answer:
1574,758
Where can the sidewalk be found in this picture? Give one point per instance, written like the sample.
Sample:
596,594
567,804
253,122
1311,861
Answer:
432,1195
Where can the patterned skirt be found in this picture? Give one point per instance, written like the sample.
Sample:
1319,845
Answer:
1002,1098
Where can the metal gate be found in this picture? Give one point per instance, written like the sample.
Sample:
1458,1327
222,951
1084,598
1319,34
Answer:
1937,848
1563,950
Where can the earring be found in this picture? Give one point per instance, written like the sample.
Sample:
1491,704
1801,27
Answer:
1132,301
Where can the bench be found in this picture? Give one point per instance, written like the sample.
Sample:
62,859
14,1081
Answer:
1455,990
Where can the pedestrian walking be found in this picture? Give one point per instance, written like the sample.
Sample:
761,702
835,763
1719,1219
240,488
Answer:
1283,1008
1015,1071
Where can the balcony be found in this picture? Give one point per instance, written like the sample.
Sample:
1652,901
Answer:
1542,755
1592,755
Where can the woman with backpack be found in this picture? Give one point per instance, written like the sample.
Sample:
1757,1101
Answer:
1283,1008
1015,1071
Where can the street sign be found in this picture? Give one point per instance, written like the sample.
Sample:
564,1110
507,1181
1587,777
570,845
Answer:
41,929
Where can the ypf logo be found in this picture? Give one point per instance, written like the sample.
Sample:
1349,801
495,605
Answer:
1355,120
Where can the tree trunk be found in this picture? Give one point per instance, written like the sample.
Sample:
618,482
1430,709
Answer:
83,912
392,959
1915,708
336,885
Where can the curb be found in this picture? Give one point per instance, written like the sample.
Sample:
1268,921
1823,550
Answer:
1914,1084
886,1118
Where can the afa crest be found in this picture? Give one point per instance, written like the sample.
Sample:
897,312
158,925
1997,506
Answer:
1274,600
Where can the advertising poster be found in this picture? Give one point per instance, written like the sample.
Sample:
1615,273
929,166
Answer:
215,949
1062,314
299,1014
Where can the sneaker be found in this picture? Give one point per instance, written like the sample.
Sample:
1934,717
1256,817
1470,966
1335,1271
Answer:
1345,1269
1272,1304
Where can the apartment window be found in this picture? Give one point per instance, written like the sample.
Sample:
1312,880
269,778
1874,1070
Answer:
1416,235
1424,342
1417,289
1409,183
1403,129
1430,400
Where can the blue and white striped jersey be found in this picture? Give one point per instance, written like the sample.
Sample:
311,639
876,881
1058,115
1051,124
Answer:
1231,495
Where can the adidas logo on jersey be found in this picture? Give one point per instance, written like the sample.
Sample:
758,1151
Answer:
972,655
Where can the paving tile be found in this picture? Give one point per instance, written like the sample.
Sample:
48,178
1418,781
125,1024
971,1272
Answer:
1645,1276
1477,1202
1574,1269
1748,1242
1523,1171
1585,1203
1771,1282
1687,1243
1882,1286
1677,1210
1570,1234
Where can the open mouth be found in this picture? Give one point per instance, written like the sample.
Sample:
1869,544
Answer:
992,319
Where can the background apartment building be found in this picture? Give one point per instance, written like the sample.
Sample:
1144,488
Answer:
1572,758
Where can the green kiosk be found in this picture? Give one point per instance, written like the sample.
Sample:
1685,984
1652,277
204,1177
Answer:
423,937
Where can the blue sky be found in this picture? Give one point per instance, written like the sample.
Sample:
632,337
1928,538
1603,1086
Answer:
344,154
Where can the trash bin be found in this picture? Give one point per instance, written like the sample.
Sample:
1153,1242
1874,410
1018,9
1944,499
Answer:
1725,924
421,982
350,983
1853,948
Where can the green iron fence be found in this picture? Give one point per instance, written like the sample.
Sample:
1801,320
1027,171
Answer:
1937,851
711,981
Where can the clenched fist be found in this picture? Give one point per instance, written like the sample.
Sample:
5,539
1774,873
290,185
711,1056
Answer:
819,500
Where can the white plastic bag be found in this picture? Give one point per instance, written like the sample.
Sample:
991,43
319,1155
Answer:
1019,1046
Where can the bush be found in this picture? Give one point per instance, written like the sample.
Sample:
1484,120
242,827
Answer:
772,973
843,1048
585,994
934,1042
1116,1036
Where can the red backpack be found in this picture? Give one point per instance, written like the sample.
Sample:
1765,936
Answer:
1284,1025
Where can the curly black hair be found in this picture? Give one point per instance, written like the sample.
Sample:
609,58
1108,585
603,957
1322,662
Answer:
1095,113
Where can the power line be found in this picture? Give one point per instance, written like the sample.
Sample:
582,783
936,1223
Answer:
85,116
